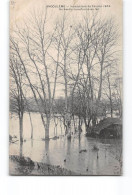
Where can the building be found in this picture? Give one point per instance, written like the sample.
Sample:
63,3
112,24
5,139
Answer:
109,128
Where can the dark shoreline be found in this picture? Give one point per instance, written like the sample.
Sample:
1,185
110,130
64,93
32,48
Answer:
23,166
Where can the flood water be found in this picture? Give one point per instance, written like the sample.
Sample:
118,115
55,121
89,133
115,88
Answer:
64,152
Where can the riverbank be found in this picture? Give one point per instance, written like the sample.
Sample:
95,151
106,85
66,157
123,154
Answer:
23,166
81,155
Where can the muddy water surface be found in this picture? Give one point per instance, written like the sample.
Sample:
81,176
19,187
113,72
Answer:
78,154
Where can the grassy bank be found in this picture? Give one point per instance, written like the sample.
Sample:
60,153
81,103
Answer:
23,166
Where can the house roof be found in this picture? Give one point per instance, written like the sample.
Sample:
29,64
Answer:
106,123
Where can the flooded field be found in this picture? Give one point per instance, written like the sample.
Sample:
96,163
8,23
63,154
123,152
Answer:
82,155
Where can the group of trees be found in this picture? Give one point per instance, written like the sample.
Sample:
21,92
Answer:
79,59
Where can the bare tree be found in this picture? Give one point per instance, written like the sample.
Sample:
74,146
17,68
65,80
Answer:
32,47
96,51
63,41
16,92
73,56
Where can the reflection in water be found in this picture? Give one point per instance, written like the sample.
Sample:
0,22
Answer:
56,151
21,149
31,143
47,152
68,147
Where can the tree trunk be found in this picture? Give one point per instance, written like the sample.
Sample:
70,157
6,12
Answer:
21,133
66,96
94,118
111,108
87,123
21,127
101,78
110,95
47,128
31,125
21,149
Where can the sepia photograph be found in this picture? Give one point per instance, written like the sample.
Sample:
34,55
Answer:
66,88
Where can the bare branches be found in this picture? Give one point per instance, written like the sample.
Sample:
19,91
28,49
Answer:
76,59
